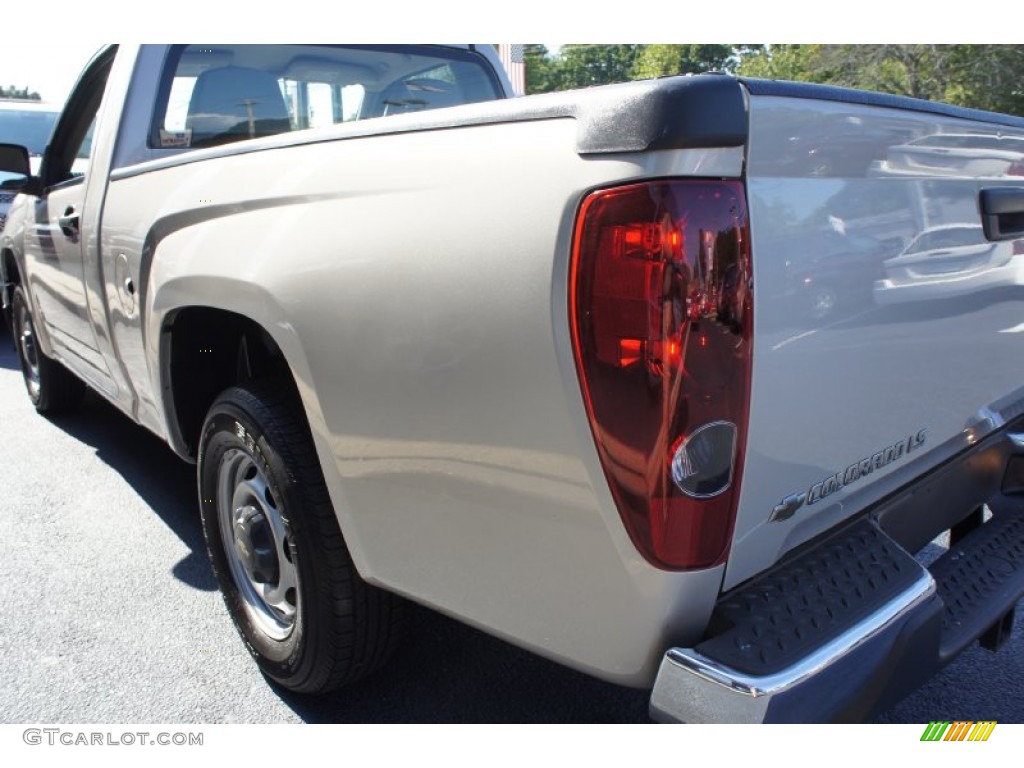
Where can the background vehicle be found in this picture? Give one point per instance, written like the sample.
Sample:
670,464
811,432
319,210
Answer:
28,123
958,154
835,273
521,361
948,261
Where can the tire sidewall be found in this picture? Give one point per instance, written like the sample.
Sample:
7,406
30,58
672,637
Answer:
227,427
19,298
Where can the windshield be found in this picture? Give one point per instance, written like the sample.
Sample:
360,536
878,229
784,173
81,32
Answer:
30,128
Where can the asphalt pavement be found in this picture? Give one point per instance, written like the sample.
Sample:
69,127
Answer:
111,612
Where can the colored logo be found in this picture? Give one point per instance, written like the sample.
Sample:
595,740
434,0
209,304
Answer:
958,731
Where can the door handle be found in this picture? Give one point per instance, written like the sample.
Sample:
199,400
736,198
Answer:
1002,213
69,223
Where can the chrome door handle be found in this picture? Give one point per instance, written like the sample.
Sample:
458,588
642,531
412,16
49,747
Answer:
69,223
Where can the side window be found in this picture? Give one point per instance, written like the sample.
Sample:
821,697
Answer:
71,144
218,105
80,161
220,94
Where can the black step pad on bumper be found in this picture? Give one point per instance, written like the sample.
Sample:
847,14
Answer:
843,628
778,619
980,579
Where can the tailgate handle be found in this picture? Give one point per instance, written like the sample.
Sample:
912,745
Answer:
1002,213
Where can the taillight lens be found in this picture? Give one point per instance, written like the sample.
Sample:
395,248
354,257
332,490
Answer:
661,315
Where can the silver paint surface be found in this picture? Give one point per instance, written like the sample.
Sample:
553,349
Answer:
829,391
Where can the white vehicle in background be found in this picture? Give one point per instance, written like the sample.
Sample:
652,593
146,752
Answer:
30,124
948,261
958,154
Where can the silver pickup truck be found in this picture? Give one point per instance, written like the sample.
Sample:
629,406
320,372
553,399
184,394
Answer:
605,373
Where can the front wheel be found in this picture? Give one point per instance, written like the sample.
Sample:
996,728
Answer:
308,619
51,387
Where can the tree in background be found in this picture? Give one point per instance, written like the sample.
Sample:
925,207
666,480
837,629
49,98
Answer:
659,59
539,69
578,66
785,62
991,77
13,92
980,76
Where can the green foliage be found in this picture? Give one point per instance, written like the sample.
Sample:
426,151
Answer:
785,62
539,69
13,92
980,76
579,66
660,59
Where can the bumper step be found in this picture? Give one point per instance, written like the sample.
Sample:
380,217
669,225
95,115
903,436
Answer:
780,618
847,626
980,580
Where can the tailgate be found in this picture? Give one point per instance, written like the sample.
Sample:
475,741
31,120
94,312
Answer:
889,329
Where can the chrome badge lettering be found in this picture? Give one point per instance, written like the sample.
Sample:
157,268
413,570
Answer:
790,505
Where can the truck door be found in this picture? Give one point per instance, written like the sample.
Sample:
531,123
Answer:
62,235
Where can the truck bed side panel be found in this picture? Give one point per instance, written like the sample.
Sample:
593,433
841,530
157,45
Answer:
409,279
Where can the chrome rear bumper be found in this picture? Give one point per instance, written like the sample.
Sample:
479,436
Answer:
696,689
852,623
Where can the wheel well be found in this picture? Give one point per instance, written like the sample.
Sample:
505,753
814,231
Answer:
11,278
204,351
11,268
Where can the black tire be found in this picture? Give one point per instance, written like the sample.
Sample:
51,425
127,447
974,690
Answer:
51,387
256,439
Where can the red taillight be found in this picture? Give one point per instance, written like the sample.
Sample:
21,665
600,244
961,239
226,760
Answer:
661,312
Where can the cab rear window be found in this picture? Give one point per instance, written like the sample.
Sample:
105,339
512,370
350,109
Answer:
217,94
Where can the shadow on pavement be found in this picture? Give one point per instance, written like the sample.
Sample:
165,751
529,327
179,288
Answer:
166,483
8,357
446,672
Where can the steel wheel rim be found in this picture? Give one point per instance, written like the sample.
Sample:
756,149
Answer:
256,543
28,351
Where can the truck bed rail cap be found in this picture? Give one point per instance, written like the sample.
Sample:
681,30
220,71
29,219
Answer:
692,112
792,90
688,112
